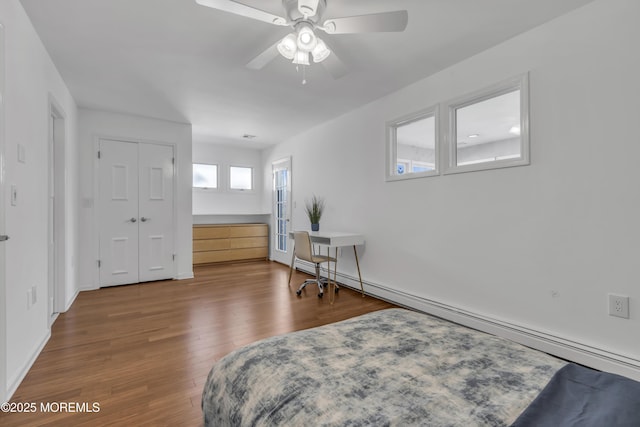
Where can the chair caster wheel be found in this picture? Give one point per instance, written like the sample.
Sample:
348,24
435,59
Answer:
337,289
320,295
298,293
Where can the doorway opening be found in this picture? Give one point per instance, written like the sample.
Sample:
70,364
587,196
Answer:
281,171
57,214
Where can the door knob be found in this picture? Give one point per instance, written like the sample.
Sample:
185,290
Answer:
4,238
143,219
133,220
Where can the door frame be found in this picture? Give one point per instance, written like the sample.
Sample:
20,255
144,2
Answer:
57,213
3,291
278,256
96,189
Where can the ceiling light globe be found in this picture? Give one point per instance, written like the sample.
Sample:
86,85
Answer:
307,40
287,46
301,58
320,52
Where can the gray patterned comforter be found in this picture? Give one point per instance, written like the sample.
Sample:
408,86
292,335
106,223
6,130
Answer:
393,367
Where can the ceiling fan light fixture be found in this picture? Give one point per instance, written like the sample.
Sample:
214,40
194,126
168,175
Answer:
320,52
287,46
307,40
301,58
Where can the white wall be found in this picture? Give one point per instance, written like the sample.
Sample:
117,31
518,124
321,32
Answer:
93,124
224,201
30,80
500,244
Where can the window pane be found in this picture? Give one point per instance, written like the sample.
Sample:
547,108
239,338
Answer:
281,178
240,178
418,167
416,146
205,176
489,130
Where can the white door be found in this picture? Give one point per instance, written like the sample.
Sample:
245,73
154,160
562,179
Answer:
281,247
118,212
136,204
155,227
52,218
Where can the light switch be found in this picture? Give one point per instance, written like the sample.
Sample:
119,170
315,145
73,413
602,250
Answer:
22,154
14,195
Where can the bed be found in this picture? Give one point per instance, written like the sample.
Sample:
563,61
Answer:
395,367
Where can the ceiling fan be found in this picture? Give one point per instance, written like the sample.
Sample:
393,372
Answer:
305,17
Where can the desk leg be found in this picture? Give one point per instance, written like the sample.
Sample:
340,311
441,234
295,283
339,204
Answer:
329,276
335,267
358,265
293,260
332,295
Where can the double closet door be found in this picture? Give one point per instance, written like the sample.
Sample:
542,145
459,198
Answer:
135,212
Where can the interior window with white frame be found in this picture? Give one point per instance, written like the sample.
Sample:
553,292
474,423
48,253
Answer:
412,148
489,129
240,178
205,176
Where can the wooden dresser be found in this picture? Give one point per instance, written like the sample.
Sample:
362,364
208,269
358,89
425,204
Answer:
229,242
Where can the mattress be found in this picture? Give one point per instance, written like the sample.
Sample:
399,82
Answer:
393,367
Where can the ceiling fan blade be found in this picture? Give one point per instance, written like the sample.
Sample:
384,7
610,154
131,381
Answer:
335,66
243,10
265,57
377,22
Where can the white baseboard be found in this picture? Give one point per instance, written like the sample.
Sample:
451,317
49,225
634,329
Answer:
14,382
565,348
180,276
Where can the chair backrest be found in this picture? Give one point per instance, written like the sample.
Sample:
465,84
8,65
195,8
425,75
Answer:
303,246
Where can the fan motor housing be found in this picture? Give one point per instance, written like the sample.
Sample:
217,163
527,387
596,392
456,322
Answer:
294,15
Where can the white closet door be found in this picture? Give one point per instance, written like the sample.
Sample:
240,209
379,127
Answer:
156,212
135,212
118,212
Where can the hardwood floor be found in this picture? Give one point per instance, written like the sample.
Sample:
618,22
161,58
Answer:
142,352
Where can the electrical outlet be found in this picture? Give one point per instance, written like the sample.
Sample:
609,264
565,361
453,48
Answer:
29,299
34,295
619,306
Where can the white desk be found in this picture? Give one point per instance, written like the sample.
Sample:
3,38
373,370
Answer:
334,239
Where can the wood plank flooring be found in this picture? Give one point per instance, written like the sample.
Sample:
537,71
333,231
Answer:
142,352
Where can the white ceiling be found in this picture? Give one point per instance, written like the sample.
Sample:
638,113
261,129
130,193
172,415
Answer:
179,61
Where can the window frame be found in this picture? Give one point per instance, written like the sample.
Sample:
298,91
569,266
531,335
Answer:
392,144
217,188
520,83
253,179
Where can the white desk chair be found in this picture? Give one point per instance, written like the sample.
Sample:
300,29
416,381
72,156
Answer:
304,251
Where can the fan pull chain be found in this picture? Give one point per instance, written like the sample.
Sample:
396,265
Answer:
304,73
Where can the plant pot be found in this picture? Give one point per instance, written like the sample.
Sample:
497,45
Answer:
315,227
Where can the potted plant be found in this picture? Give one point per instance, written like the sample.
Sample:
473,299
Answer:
314,210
